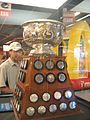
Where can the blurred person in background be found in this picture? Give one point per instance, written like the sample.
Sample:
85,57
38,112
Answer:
9,69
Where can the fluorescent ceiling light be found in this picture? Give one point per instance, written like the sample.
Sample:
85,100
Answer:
83,18
69,25
76,13
83,7
53,4
79,20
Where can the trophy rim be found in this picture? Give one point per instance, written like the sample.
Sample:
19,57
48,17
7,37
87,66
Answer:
41,20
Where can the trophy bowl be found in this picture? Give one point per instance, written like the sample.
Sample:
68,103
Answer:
43,34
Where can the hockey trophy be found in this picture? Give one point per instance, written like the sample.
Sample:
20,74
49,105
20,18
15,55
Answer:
44,90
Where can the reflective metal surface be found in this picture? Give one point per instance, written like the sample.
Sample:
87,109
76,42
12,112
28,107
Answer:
50,77
30,111
39,78
60,65
68,94
38,65
41,110
63,106
46,97
33,98
72,105
42,34
61,77
49,64
57,95
52,108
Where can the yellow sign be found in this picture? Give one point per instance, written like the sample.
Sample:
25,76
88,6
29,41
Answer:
73,54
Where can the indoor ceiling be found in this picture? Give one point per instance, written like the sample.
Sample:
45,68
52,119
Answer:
84,7
11,29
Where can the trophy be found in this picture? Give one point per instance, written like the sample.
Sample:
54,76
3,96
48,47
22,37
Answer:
42,35
44,89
